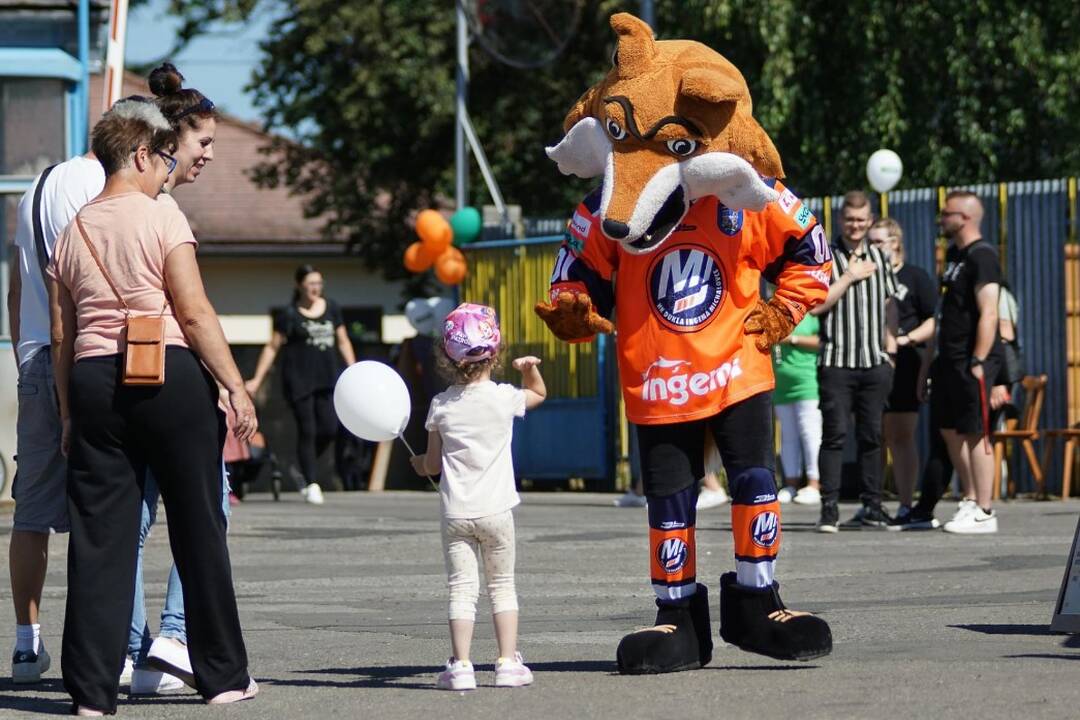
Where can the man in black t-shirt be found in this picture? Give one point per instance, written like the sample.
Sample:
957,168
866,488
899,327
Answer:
968,358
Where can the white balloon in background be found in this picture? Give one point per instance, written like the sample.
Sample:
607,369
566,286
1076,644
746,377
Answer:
427,315
883,170
372,401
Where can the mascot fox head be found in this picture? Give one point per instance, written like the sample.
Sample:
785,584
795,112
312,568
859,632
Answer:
670,123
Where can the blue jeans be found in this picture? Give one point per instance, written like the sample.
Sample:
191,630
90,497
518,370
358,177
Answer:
172,615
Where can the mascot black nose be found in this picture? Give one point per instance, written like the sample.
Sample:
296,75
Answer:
616,230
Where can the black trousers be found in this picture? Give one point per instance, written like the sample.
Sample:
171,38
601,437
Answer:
117,432
673,456
316,428
842,391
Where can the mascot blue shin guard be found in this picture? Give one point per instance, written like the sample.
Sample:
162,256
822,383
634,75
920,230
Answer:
681,638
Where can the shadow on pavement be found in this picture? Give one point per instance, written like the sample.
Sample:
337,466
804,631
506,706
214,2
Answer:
756,668
28,698
1008,629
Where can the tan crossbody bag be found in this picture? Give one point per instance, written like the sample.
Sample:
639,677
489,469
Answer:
144,353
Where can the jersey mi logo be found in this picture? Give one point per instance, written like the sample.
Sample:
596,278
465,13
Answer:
687,287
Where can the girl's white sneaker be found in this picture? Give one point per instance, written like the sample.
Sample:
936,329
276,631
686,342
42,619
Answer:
512,672
458,675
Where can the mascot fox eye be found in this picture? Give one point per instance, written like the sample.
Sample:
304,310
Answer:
615,130
682,147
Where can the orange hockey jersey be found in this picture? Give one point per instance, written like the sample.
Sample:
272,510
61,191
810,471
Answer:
679,310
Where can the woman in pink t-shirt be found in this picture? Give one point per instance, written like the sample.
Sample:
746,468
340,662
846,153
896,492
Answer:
114,432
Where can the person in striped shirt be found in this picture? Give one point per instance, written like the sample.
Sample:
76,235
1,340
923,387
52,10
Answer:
854,369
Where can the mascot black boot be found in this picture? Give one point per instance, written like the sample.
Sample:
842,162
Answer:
752,616
755,619
680,640
682,636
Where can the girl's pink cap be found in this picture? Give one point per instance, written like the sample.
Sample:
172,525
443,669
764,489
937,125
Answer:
471,333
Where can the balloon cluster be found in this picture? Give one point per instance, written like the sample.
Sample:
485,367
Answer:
438,239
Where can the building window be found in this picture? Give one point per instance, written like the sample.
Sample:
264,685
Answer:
32,124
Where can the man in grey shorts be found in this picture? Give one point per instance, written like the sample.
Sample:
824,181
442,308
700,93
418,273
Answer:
40,486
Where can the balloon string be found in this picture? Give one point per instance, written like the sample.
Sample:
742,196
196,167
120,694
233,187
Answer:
413,453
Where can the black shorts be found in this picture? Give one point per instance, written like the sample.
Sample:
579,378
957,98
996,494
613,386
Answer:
673,456
954,395
905,377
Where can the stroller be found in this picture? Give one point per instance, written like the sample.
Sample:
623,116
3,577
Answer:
245,463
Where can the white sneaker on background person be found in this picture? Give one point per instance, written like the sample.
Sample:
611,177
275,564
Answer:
974,522
630,499
170,656
964,507
808,496
512,672
125,674
151,681
313,494
27,666
711,498
458,675
785,495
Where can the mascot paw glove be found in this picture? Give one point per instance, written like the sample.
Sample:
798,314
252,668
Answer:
771,322
571,317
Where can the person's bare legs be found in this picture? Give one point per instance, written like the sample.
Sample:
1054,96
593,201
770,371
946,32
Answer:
461,632
961,460
982,469
28,561
900,439
711,482
506,632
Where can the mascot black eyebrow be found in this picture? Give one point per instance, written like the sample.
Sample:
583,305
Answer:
691,216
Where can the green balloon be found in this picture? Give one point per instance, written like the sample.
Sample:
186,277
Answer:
466,224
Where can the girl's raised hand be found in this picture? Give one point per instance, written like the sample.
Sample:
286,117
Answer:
522,364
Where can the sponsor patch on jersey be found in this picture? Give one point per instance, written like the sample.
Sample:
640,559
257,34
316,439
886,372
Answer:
671,555
573,242
674,382
580,226
765,529
787,201
729,221
819,276
686,287
804,217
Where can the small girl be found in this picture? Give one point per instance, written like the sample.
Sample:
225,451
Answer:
471,425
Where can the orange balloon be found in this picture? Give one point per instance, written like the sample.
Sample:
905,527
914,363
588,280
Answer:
416,258
435,233
450,267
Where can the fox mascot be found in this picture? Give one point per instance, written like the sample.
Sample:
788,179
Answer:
690,216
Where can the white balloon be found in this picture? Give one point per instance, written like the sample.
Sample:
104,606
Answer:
427,315
372,401
883,170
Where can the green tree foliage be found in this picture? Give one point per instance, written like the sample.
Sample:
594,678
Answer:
965,91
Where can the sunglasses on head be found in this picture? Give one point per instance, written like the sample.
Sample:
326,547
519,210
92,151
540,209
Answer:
203,107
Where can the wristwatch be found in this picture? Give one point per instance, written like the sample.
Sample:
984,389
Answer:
976,360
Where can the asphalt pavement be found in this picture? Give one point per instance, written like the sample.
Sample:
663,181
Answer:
344,613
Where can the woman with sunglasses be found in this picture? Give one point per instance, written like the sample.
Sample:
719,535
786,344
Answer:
127,255
163,666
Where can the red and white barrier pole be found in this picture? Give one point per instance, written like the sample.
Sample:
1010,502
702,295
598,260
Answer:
114,55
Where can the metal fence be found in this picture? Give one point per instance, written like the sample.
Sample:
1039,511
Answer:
1034,225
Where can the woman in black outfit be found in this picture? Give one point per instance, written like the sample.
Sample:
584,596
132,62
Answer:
310,335
912,324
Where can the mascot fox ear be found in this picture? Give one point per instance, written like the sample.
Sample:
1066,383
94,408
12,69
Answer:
581,109
745,137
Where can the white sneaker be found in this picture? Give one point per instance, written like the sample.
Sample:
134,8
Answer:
785,495
169,655
149,681
458,675
808,496
125,674
976,522
963,508
512,672
27,666
313,494
711,498
629,499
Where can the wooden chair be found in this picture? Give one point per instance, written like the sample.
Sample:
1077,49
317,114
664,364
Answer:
1026,431
1072,439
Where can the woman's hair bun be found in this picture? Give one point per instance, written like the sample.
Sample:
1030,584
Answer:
165,79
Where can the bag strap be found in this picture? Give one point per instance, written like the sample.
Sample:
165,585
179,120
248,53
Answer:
97,259
39,231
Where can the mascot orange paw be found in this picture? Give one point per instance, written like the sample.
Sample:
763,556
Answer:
572,318
771,322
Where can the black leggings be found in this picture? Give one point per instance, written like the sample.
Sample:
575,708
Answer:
316,428
117,432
